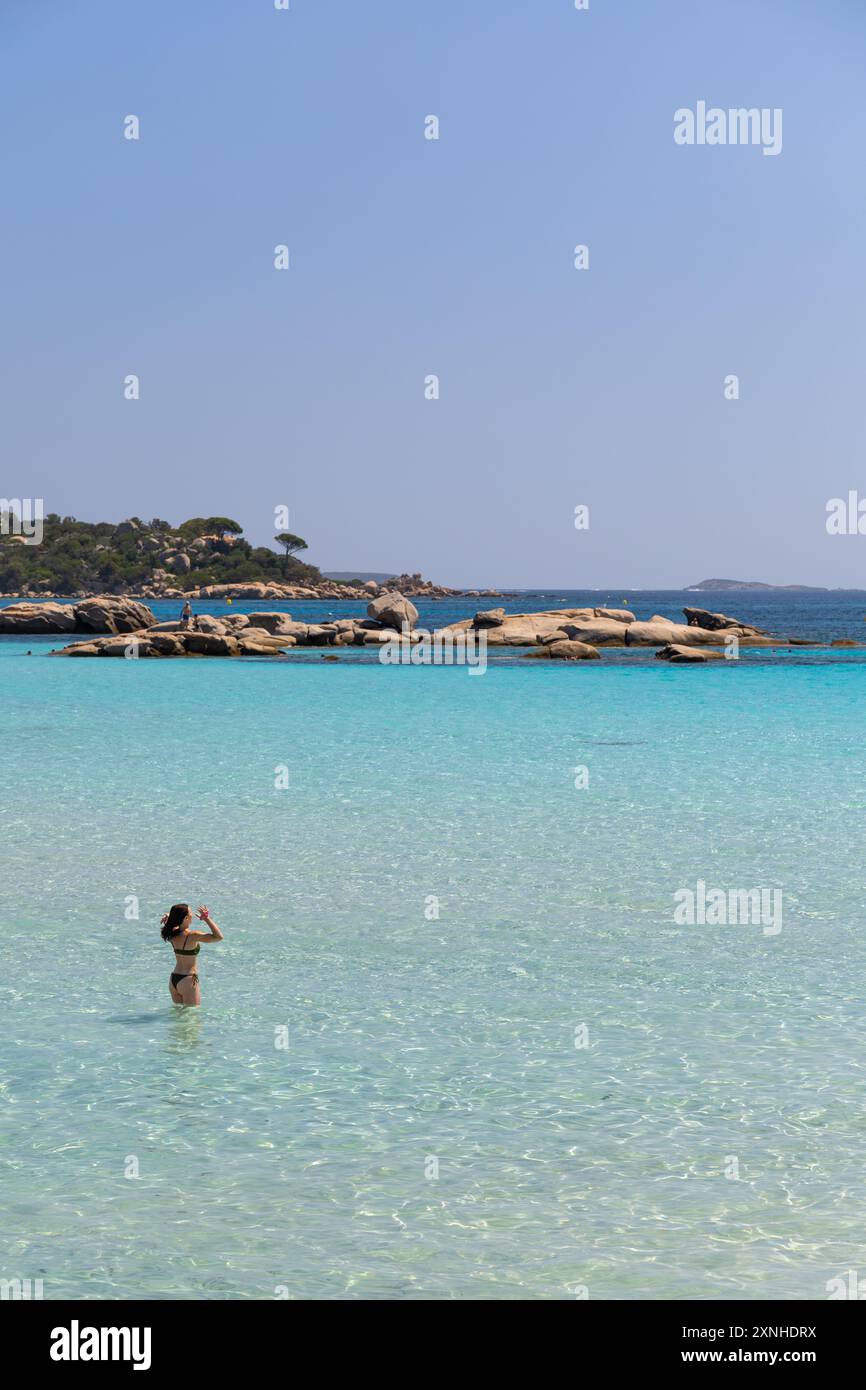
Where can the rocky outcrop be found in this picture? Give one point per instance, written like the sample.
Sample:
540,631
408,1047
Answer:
247,592
90,615
37,617
249,641
595,626
241,634
605,627
521,629
326,589
662,632
112,615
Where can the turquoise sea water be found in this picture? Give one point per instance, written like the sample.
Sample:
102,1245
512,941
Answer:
414,1038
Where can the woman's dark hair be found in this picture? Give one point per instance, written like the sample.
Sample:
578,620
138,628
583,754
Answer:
174,920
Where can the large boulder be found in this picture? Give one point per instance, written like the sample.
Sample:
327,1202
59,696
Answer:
112,615
288,628
210,644
320,635
37,617
392,610
679,655
247,647
205,622
162,644
661,634
565,651
276,622
713,622
606,632
492,617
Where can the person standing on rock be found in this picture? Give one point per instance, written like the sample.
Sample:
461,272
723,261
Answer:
186,614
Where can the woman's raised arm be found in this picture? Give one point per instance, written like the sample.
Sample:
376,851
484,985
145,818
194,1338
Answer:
203,914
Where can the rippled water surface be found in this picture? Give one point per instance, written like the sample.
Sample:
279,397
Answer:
147,1151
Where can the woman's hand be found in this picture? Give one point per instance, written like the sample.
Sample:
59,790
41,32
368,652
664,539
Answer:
203,915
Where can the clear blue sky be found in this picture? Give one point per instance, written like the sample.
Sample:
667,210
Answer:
412,257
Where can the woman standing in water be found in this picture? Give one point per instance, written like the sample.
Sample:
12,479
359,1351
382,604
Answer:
184,983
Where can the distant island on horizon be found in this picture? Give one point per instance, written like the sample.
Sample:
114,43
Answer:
757,584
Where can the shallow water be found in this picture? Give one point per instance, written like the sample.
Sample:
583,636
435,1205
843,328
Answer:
414,1038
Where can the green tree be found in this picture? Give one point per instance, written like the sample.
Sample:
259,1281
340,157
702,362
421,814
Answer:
209,526
291,544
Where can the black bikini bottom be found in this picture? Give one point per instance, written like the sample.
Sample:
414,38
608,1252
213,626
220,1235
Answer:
187,975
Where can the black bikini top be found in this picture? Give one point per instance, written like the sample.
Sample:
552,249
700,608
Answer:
194,952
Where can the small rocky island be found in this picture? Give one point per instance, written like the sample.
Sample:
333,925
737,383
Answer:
710,585
115,626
